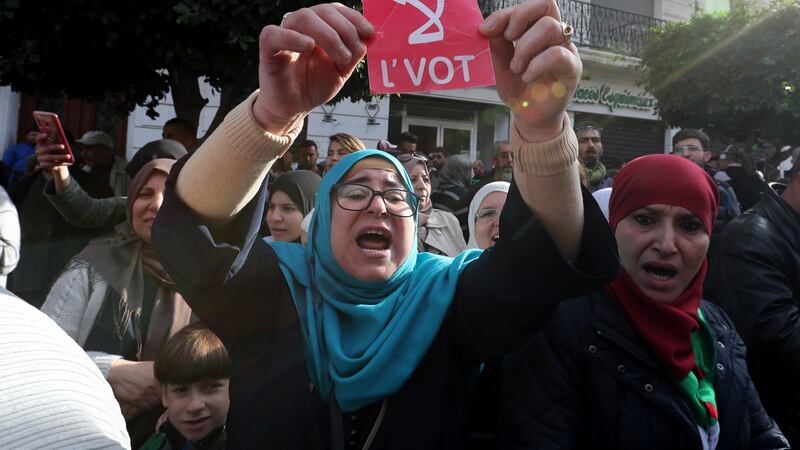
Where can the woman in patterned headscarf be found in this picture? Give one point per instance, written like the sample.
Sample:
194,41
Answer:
115,299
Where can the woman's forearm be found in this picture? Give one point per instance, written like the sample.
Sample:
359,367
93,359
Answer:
61,178
226,172
546,174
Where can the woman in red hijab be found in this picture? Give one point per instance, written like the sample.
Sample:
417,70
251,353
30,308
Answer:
644,363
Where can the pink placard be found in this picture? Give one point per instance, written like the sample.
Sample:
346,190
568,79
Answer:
426,45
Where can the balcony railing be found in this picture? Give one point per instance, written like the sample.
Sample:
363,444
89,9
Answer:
597,26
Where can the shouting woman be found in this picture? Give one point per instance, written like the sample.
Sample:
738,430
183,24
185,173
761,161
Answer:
357,340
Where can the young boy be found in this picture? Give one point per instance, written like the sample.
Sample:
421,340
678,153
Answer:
193,369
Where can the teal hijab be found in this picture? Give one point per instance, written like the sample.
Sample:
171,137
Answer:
364,340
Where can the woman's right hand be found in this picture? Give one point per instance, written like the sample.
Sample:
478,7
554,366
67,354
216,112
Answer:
51,157
305,61
135,386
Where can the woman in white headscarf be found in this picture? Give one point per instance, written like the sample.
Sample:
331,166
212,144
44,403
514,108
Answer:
484,214
602,196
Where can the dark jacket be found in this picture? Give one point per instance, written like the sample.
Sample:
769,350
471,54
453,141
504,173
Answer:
234,285
755,277
48,241
589,381
447,199
168,438
728,206
747,185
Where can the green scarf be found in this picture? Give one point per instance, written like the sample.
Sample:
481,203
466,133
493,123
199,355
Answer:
698,386
596,175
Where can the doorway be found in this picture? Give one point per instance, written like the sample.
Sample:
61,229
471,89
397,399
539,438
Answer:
461,137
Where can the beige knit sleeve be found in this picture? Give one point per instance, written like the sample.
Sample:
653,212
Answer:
547,176
225,173
547,158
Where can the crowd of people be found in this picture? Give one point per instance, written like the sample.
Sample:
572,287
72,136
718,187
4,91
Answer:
239,294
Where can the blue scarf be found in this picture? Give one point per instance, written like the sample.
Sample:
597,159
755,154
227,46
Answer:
364,340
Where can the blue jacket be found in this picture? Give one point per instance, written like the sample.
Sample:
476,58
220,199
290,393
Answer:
16,156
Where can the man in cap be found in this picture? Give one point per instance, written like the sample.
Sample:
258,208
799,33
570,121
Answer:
104,168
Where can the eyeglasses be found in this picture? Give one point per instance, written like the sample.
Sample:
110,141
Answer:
487,214
686,148
357,197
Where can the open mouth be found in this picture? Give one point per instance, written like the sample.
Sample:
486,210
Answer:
195,422
374,239
496,237
660,272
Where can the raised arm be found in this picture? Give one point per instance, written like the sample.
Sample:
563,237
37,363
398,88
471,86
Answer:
67,196
537,70
78,208
303,64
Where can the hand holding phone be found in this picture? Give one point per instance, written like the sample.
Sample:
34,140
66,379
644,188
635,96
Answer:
50,125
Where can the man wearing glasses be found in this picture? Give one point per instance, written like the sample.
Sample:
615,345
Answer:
590,149
694,145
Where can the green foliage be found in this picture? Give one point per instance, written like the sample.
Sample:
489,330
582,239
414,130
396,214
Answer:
129,51
736,75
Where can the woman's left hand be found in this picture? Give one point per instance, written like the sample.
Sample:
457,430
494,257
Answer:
537,77
135,386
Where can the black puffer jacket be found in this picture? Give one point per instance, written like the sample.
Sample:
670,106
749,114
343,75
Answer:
589,381
755,277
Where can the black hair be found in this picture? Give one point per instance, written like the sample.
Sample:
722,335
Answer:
185,124
407,137
692,133
309,143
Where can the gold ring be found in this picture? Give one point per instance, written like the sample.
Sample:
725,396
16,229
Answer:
567,31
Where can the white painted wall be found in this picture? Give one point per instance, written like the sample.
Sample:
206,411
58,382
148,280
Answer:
675,10
9,117
142,129
668,134
350,118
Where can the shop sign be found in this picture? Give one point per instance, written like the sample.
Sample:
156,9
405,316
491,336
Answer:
426,45
613,98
